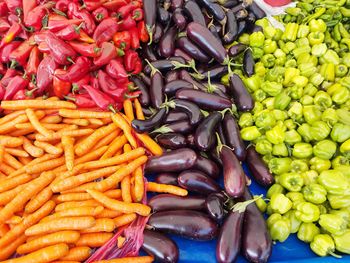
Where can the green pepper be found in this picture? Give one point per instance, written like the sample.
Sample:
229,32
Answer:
294,221
336,33
315,38
344,33
317,25
260,69
263,147
319,130
258,107
282,100
300,81
323,209
340,160
305,131
301,42
331,57
280,165
306,100
309,176
319,50
269,32
276,135
295,91
250,133
275,74
252,83
274,189
259,95
280,229
316,79
311,114
289,74
270,46
302,150
301,51
279,115
299,166
333,181
342,242
345,147
292,137
268,60
343,116
334,224
290,32
341,70
303,31
256,39
296,110
310,89
257,53
307,69
264,22
296,198
307,232
290,124
314,193
339,93
338,201
346,59
323,99
327,71
292,181
319,165
269,103
307,212
260,203
278,34
340,132
343,213
271,88
344,169
330,116
245,120
291,63
325,149
280,203
280,150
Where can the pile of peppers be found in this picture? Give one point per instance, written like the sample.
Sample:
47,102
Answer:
79,50
300,124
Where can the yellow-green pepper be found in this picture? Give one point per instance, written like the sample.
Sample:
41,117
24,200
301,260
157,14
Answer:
276,135
307,232
280,229
292,181
245,120
323,245
327,71
310,176
280,203
299,166
256,39
319,130
345,147
317,25
333,224
339,93
296,198
292,137
325,149
305,131
307,212
330,116
311,113
342,242
280,150
338,201
302,150
294,221
319,165
316,38
333,181
280,165
314,193
250,133
340,132
261,204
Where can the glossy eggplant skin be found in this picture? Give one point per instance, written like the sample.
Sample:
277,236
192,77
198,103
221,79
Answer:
148,53
203,38
241,96
163,16
145,79
229,238
151,123
215,72
214,205
233,136
171,76
231,28
230,3
258,168
175,116
150,13
167,202
144,97
167,43
212,28
183,127
161,247
179,19
195,13
180,53
256,241
194,51
174,161
242,27
171,87
220,131
156,90
198,182
236,50
248,63
214,9
166,178
234,177
192,110
164,65
184,75
172,140
176,4
186,223
204,100
207,166
158,33
204,137
256,10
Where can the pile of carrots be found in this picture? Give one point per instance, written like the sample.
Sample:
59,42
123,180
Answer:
69,178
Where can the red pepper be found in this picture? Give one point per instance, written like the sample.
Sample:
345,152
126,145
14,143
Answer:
4,25
127,23
35,16
21,53
122,40
83,81
75,12
44,48
28,5
126,10
78,70
114,5
81,100
92,5
33,62
135,41
2,92
108,52
62,5
69,33
85,49
62,52
12,18
13,31
45,74
15,6
101,99
17,83
61,88
130,59
105,30
9,74
116,70
6,51
57,25
85,37
111,87
40,37
2,69
137,67
138,14
100,13
143,33
3,9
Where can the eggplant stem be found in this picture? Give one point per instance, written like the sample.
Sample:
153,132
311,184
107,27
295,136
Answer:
163,129
220,145
241,206
153,69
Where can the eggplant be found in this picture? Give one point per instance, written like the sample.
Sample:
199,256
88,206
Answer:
204,100
233,136
151,123
241,96
175,116
241,14
215,72
214,9
161,247
150,13
212,28
256,241
251,18
186,223
166,4
167,202
238,7
156,89
167,43
254,28
182,127
216,88
203,38
179,19
163,16
194,12
166,178
175,85
214,205
231,28
234,177
180,53
204,137
171,76
145,79
229,3
236,49
198,182
242,27
175,161
248,63
193,50
147,112
184,75
164,65
158,33
148,53
258,169
256,10
192,110
144,97
172,140
214,155
220,131
206,165
176,4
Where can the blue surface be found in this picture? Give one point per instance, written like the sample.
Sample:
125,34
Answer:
292,250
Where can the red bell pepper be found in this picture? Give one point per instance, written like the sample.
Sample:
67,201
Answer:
114,5
35,16
61,88
137,14
28,5
116,70
2,69
134,40
143,33
111,87
4,25
127,23
62,5
137,66
14,6
45,74
33,62
130,59
13,31
3,9
21,53
85,49
79,69
6,51
70,32
23,95
122,40
127,9
44,48
75,12
17,83
105,30
62,52
101,99
108,52
100,13
81,100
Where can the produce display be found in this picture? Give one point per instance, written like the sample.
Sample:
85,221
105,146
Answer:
125,123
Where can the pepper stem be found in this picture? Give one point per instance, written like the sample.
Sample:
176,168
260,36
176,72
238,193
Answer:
59,12
29,93
69,98
334,254
241,206
153,69
163,129
70,60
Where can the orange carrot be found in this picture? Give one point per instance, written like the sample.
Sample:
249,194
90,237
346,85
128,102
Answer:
51,119
94,239
95,121
81,114
7,251
2,153
119,120
7,196
116,145
16,152
115,194
6,169
4,228
124,219
76,211
125,185
78,254
14,220
138,184
11,161
68,146
37,201
150,144
108,213
49,126
9,141
128,109
73,204
138,110
10,116
22,132
49,148
13,182
79,122
25,160
36,123
143,259
45,166
31,149
10,126
91,156
36,104
65,132
102,225
107,139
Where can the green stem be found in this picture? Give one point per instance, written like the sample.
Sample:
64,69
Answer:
241,206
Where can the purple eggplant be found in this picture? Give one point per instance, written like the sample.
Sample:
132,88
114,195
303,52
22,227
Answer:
195,13
167,202
258,169
220,131
176,4
215,72
145,79
163,16
207,166
212,28
183,127
158,33
248,63
203,38
184,75
241,14
144,97
198,182
193,50
238,7
236,50
174,161
180,53
151,123
251,28
192,110
172,140
167,43
216,88
242,27
215,156
166,178
231,28
164,65
241,96
148,53
204,136
156,89
204,100
229,3
150,13
256,241
175,85
171,76
175,116
161,247
233,136
256,10
147,112
214,205
186,223
214,9
179,19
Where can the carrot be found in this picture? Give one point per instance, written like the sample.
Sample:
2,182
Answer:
89,142
2,176
10,116
124,219
68,146
95,121
108,213
48,147
25,160
59,224
4,228
14,220
91,156
36,104
45,166
138,185
150,144
68,237
107,139
36,123
76,211
31,189
9,141
11,161
138,110
7,251
43,255
120,241
16,152
166,188
67,132
128,109
7,196
119,120
37,201
13,182
22,132
6,169
65,261
94,239
51,119
10,126
49,126
140,209
2,153
79,122
125,185
81,114
78,254
31,149
127,148
27,222
116,145
102,225
115,193
73,204
143,259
